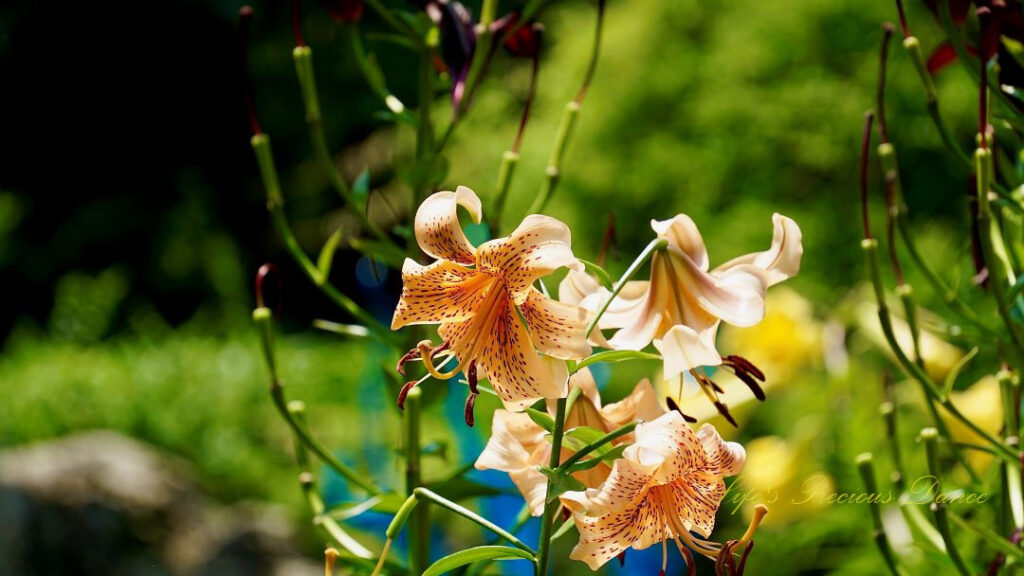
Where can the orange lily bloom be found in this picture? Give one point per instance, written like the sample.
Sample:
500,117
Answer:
478,294
518,445
667,486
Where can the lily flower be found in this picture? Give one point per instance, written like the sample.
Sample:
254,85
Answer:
667,486
518,445
680,308
492,319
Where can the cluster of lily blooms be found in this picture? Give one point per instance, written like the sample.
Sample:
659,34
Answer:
495,324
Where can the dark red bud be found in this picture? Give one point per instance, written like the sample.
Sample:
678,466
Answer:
344,10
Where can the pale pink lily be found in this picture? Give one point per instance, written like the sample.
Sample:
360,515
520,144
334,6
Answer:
667,486
680,308
518,445
478,295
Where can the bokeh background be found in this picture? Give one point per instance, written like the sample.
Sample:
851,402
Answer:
132,220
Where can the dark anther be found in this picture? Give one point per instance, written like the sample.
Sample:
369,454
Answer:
471,378
691,566
673,406
470,403
407,357
622,558
404,392
566,515
746,371
715,386
743,558
723,409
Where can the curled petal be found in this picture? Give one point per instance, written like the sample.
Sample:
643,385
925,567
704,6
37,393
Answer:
735,295
438,231
556,329
441,292
640,311
724,458
682,348
668,446
782,260
683,236
538,247
641,404
500,344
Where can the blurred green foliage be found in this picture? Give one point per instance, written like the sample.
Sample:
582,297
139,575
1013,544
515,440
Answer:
727,111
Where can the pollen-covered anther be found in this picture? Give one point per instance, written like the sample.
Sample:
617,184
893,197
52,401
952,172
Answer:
673,406
747,372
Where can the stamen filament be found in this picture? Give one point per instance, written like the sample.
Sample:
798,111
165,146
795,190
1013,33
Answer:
759,511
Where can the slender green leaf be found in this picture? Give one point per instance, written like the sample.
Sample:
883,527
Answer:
542,419
615,356
560,483
608,457
954,373
354,330
326,258
598,273
477,554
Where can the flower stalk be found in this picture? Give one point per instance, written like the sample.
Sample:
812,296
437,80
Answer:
866,466
930,437
419,526
551,503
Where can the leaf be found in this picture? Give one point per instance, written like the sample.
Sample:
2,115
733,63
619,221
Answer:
477,554
461,488
353,330
580,436
612,356
541,419
609,456
598,273
326,258
361,185
954,372
383,251
560,483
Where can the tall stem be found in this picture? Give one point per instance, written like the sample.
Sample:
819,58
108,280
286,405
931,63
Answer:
419,525
551,504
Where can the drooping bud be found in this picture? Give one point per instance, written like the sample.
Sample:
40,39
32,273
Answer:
458,42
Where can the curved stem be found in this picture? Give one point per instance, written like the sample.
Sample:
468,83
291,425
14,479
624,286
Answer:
930,437
303,57
275,205
865,464
655,245
609,437
262,318
419,527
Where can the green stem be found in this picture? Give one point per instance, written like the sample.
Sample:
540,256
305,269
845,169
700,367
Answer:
373,74
419,527
654,246
275,206
303,57
422,494
509,161
399,26
609,437
424,128
481,55
930,436
998,280
553,172
931,389
888,412
865,464
262,318
551,504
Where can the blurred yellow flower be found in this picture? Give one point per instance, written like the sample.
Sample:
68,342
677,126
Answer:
982,404
781,476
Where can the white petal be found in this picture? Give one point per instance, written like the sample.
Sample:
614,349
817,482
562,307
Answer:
782,260
682,349
682,235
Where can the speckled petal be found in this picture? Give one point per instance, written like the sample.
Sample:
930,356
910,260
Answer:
437,227
556,329
539,246
725,458
668,446
496,338
641,404
441,292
